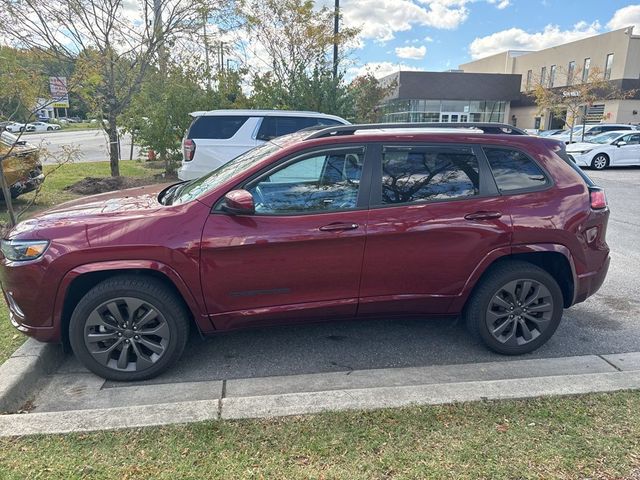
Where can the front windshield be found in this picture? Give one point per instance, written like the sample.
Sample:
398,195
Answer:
604,137
190,190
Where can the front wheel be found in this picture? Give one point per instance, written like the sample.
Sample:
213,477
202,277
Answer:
515,309
600,162
49,128
129,328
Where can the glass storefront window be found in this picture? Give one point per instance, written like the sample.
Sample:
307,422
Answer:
418,110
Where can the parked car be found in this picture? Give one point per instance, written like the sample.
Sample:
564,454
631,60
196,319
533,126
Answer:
217,136
612,149
551,133
15,127
592,131
346,221
42,127
22,168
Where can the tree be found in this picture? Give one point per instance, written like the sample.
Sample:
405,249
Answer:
576,95
367,93
111,43
290,44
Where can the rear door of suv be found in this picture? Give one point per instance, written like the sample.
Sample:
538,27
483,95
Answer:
435,215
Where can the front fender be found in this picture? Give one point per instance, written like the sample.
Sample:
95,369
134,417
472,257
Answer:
194,302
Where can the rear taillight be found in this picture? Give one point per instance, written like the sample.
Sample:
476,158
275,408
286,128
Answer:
189,149
598,198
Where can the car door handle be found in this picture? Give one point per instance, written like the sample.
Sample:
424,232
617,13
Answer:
334,227
482,215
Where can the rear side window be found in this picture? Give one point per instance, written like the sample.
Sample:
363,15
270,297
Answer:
513,170
216,127
273,127
423,174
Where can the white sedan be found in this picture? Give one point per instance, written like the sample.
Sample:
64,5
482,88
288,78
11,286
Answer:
611,149
42,127
15,127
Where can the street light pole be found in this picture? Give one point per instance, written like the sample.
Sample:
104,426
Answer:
336,27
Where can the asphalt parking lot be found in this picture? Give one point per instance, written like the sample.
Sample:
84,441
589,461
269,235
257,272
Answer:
606,323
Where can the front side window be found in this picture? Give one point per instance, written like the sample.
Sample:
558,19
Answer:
513,170
425,173
608,66
319,182
633,139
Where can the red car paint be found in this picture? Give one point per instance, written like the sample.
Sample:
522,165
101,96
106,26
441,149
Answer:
234,271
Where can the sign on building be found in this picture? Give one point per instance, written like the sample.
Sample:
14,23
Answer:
59,93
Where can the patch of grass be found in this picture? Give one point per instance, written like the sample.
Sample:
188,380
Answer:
590,436
10,338
53,193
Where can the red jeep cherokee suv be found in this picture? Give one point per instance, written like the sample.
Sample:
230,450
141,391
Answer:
348,221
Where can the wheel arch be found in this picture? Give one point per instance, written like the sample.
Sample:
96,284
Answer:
553,258
80,280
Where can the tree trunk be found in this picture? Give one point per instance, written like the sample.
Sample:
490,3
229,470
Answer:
6,193
112,133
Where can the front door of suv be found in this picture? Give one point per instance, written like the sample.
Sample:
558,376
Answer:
300,255
435,215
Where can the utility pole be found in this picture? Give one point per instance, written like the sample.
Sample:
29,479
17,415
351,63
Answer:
336,27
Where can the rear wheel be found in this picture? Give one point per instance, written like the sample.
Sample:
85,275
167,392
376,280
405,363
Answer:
515,309
49,128
129,328
600,162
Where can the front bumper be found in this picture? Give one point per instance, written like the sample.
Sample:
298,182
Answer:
580,159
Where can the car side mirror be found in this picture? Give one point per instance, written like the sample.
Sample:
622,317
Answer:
621,143
239,202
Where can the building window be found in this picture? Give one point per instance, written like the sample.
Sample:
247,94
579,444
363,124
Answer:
543,76
607,67
571,72
529,77
585,70
552,76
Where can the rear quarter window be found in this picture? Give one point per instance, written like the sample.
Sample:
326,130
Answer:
514,171
273,127
216,127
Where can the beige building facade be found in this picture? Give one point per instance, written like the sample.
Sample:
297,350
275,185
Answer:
616,54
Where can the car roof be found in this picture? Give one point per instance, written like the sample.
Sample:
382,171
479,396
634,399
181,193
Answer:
264,113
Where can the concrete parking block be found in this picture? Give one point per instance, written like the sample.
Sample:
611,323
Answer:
23,373
84,392
107,418
624,361
386,397
390,377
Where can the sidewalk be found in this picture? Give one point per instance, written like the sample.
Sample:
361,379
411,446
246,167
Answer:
77,401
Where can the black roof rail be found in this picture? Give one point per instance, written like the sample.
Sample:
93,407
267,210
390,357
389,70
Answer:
486,128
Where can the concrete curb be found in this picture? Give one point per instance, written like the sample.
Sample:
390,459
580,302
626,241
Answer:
21,373
312,402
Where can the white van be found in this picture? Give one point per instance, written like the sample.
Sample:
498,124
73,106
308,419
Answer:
217,136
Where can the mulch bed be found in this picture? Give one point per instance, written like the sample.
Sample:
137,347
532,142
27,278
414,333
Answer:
94,185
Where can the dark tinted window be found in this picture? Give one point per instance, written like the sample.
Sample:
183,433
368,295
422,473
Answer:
611,128
273,127
513,170
215,127
415,174
321,182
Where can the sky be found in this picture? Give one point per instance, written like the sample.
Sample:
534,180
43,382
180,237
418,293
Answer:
438,35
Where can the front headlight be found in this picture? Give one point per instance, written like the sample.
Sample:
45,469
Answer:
582,152
22,250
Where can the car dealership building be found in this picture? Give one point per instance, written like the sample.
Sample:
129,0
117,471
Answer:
494,88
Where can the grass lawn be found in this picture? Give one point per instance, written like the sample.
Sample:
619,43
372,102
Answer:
591,436
53,193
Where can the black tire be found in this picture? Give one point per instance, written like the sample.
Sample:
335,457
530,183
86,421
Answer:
600,161
480,308
49,128
155,297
